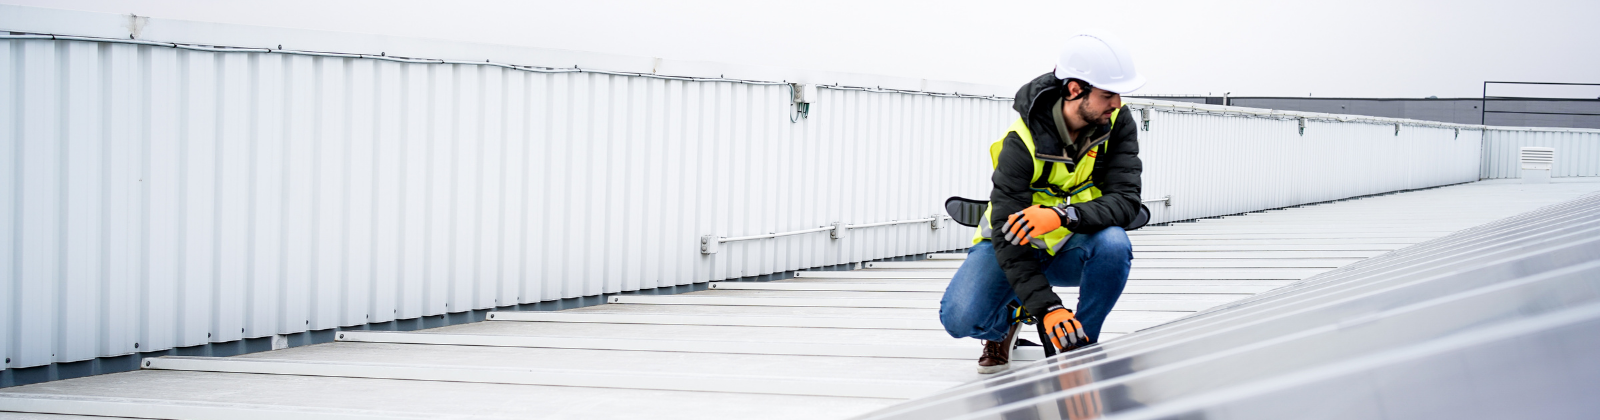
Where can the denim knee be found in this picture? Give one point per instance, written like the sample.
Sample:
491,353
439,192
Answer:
960,312
1113,241
977,292
956,316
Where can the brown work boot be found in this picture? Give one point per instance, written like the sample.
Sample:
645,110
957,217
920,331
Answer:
997,354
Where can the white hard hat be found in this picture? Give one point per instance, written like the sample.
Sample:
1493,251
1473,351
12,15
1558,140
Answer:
1100,59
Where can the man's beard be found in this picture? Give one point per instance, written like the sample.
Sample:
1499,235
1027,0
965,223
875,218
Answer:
1083,112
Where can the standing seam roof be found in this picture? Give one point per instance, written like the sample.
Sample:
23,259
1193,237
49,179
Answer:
843,344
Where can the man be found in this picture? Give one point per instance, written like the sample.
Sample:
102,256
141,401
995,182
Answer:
1066,179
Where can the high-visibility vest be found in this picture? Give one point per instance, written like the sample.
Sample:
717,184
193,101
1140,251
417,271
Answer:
1062,187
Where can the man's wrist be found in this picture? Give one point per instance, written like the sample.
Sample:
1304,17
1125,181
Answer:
1069,217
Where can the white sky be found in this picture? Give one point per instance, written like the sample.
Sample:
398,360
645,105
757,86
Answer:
1359,48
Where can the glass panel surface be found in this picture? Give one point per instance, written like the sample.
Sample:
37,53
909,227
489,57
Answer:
1503,273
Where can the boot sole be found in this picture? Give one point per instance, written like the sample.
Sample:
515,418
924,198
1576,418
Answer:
986,370
1011,345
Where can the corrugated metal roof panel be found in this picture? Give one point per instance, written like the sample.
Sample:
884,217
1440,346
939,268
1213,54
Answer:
837,360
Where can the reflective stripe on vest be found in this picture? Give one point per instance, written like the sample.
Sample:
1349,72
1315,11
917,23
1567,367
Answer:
1076,184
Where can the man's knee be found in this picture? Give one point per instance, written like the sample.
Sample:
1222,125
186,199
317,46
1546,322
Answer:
1113,242
961,317
951,315
969,301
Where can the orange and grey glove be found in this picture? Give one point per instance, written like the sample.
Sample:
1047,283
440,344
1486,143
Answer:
1065,332
1035,221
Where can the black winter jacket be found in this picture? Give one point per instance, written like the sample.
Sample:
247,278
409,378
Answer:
1116,174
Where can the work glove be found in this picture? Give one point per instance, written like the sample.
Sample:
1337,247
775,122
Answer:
1065,332
1035,221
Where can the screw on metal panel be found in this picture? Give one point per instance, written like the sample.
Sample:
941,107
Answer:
147,363
208,335
241,330
135,345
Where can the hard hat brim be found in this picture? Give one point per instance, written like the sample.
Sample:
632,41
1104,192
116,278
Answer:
1124,87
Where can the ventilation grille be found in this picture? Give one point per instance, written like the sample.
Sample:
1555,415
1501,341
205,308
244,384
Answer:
1538,158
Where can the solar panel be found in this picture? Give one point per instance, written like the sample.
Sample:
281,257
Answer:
1441,329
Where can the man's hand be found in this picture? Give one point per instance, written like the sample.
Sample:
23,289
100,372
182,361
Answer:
1035,221
1065,332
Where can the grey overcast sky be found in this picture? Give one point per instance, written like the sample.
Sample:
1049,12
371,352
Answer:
1354,48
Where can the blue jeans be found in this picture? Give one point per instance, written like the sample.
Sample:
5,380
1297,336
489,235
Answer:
975,303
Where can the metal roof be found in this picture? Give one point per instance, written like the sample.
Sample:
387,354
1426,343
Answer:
822,345
1499,320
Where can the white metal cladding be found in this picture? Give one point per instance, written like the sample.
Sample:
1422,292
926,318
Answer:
1577,151
1213,164
170,197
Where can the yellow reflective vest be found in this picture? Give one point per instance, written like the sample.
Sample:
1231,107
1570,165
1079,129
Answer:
1063,187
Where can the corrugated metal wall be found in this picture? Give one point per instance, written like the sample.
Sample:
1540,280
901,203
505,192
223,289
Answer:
159,197
1577,151
1219,164
156,197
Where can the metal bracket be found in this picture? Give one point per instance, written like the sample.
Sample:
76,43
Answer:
937,223
1144,117
709,244
838,231
1302,126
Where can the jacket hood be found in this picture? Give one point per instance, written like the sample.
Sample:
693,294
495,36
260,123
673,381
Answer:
1033,103
1041,91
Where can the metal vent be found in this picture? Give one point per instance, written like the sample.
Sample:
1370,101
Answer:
1538,158
1536,164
